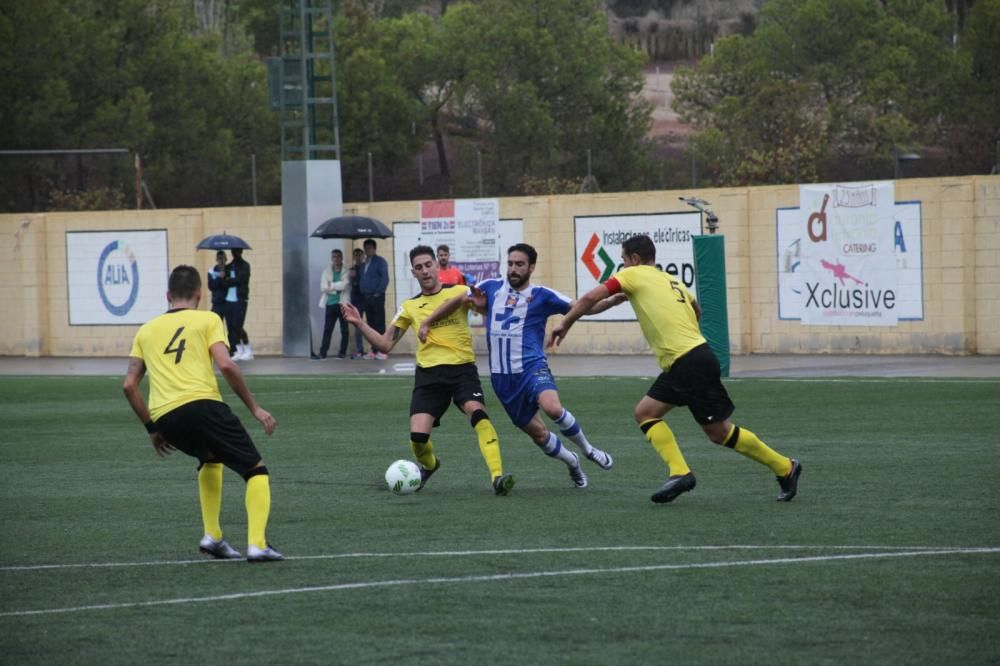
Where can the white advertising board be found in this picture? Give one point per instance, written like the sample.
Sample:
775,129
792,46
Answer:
116,277
599,248
407,235
794,292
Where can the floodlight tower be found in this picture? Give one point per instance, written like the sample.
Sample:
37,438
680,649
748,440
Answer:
307,96
303,88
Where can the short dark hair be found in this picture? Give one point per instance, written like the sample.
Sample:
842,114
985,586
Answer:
444,247
422,249
336,251
184,282
370,241
641,245
527,249
358,249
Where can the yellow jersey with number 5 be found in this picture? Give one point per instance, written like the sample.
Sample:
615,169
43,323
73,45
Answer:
175,348
663,306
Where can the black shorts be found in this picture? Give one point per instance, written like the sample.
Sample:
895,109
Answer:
436,387
209,431
695,381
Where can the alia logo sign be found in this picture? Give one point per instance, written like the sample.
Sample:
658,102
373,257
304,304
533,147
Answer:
118,271
116,277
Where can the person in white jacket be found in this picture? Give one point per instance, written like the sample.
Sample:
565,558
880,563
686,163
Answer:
335,286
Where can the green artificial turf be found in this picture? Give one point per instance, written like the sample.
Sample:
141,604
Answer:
889,555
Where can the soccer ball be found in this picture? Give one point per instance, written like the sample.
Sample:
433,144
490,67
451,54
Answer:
403,477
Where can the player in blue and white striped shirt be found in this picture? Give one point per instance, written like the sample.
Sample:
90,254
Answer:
515,312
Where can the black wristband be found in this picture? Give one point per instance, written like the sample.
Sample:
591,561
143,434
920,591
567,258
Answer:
150,427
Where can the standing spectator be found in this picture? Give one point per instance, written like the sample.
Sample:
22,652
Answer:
239,272
186,411
357,298
217,284
447,273
333,283
374,281
668,318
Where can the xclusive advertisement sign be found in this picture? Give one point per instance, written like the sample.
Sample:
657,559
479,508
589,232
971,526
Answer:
116,277
850,256
599,250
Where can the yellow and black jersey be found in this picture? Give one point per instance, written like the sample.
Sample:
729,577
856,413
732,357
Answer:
664,308
449,341
175,348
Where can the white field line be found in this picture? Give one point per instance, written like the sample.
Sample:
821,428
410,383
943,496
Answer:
473,553
499,578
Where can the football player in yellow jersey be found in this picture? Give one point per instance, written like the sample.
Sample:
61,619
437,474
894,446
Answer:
668,316
446,369
186,410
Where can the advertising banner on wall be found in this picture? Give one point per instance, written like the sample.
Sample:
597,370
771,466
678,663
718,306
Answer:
847,262
599,249
116,277
407,235
801,294
469,228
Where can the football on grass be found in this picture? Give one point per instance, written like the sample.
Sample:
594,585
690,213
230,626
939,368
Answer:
403,477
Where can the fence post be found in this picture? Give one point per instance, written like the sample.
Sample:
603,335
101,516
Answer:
371,187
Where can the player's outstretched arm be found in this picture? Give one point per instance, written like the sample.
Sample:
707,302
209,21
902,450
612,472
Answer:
608,303
383,342
234,377
581,307
445,309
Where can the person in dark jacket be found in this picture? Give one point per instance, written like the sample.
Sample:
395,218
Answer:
374,281
239,272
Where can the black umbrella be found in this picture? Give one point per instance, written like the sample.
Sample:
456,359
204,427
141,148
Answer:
352,226
224,242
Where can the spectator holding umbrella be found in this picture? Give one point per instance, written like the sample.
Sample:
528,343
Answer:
370,276
232,284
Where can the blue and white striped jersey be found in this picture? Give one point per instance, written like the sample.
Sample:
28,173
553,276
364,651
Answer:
515,323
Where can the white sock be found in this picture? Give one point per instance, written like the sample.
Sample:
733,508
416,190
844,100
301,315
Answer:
554,449
571,429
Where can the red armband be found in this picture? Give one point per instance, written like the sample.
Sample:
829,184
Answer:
614,286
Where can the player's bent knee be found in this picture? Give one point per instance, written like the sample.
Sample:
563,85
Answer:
259,470
642,415
477,416
719,434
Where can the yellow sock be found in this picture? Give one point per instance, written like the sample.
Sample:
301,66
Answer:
424,453
258,503
210,497
748,444
489,446
662,438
